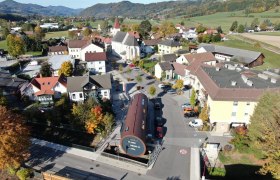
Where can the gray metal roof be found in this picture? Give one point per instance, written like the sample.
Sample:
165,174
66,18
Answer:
7,81
76,84
57,60
165,66
245,56
119,37
169,42
131,41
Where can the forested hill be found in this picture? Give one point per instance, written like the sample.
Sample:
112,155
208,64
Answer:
177,8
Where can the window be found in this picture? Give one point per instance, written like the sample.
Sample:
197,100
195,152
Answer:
100,68
105,93
43,84
248,103
99,62
49,83
235,103
233,114
246,114
73,96
81,95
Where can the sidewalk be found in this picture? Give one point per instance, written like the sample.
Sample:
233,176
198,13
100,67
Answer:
195,164
66,149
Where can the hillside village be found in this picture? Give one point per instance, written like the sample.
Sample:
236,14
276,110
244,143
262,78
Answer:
151,100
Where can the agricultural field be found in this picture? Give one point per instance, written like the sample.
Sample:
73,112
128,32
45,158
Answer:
274,33
272,40
225,19
271,58
56,34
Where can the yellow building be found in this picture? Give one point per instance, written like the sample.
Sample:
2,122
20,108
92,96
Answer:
168,46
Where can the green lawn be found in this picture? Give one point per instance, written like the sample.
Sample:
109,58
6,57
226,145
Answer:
3,45
276,33
34,53
272,60
56,34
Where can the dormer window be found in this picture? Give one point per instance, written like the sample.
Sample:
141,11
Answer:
49,83
43,84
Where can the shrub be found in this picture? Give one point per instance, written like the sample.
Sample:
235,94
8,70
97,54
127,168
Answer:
228,148
217,171
241,130
23,174
12,171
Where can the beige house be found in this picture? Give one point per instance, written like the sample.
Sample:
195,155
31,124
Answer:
168,46
164,71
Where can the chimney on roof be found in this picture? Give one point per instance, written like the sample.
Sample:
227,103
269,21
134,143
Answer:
273,80
233,83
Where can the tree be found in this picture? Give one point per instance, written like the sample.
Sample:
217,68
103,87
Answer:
45,70
87,32
163,75
121,68
134,27
167,28
144,28
15,45
193,98
216,38
206,38
204,114
72,34
81,112
152,90
255,23
240,28
95,118
14,139
263,26
200,29
141,64
3,101
264,132
5,32
139,79
107,123
179,84
104,26
39,34
66,68
234,26
219,30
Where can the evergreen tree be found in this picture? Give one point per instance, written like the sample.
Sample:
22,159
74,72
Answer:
193,98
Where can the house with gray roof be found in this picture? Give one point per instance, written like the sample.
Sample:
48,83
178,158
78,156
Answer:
80,88
168,46
241,56
10,85
164,70
168,58
57,60
125,46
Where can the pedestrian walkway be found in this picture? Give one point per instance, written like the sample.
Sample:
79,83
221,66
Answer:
112,136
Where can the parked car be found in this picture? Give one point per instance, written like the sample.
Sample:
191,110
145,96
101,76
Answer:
187,109
186,105
161,86
191,114
196,123
142,55
136,69
171,91
159,133
149,77
157,105
159,121
131,65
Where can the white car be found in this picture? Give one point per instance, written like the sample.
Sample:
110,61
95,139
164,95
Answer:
186,105
196,123
161,86
136,69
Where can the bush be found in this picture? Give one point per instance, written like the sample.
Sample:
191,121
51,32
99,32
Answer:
241,130
23,174
217,171
228,148
12,171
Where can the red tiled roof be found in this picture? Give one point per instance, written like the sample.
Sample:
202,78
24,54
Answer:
58,48
117,24
179,69
201,57
45,84
99,56
152,42
77,43
211,31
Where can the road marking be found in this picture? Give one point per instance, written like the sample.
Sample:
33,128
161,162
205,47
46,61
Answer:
183,151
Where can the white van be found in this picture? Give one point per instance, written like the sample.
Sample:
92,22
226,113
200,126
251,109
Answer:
196,123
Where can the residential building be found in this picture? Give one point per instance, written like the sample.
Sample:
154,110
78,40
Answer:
164,70
168,58
125,46
58,50
80,88
188,59
168,46
179,72
50,26
96,62
10,85
148,46
78,48
32,69
180,28
45,89
57,60
222,53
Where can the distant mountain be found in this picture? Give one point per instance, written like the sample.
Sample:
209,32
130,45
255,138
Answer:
13,7
126,8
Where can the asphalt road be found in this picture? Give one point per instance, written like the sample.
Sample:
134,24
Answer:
76,167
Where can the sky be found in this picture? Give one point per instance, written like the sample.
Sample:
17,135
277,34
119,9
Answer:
78,3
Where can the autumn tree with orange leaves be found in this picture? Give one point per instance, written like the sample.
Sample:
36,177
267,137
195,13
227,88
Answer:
14,139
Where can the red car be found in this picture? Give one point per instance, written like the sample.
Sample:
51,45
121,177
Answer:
160,132
131,65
